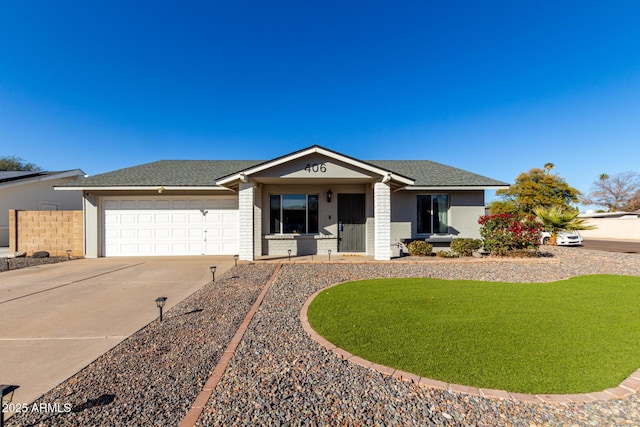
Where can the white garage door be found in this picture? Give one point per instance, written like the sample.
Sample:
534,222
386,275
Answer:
169,226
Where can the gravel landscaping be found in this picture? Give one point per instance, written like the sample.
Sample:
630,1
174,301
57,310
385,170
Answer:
25,262
280,376
153,377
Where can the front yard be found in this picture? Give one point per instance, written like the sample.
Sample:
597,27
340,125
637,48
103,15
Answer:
572,336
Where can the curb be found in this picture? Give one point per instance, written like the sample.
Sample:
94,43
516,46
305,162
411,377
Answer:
629,386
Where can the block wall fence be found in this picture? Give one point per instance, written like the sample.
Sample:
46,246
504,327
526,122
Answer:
51,231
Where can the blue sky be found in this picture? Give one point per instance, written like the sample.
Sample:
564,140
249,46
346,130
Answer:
494,87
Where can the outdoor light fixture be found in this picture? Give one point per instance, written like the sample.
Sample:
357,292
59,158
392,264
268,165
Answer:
160,303
6,391
235,258
289,254
329,194
68,254
213,273
329,251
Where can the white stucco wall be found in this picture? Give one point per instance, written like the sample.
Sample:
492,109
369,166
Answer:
613,228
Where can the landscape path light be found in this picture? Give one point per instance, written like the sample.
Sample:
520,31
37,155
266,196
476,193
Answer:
160,301
235,258
289,254
329,251
213,273
68,254
6,391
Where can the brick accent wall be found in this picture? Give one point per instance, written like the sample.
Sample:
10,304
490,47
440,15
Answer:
51,231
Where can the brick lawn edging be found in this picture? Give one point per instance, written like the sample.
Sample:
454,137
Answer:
192,416
627,387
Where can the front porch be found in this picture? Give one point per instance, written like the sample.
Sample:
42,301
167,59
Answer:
313,202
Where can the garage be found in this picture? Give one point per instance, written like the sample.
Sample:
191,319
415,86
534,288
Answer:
153,226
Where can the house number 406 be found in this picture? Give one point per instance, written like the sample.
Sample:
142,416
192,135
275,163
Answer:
316,167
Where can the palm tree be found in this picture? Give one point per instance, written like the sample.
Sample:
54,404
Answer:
603,187
548,167
556,219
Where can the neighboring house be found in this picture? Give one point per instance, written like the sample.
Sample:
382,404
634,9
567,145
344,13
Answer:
31,190
612,225
310,201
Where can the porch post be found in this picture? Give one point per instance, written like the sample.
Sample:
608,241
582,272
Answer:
382,221
245,219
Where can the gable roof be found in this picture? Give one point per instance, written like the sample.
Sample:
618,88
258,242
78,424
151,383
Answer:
316,149
212,174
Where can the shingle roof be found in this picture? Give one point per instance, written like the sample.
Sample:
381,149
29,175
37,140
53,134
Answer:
178,173
433,174
196,173
17,175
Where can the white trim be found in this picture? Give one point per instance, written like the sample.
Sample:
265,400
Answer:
457,188
246,205
314,150
146,188
382,221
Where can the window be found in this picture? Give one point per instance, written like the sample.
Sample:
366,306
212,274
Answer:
433,214
293,213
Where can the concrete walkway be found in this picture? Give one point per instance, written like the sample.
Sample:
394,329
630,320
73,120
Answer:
58,318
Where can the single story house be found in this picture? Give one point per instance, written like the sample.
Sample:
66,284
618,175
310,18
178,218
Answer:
33,190
308,202
612,225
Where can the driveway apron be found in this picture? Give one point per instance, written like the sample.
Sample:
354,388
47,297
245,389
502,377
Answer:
56,319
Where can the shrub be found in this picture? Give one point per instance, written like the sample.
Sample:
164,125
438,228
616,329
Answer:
503,233
447,254
523,253
420,248
465,247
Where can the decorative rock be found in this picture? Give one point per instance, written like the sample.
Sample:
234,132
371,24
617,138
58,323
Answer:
18,254
40,254
280,376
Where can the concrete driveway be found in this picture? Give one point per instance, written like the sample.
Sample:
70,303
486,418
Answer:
56,319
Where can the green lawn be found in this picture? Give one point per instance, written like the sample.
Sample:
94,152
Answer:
572,336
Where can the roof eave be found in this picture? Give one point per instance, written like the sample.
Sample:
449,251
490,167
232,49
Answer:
41,178
454,187
143,188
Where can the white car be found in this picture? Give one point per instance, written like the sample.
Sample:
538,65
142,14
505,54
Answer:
564,238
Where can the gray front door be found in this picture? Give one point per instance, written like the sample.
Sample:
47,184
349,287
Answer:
351,223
